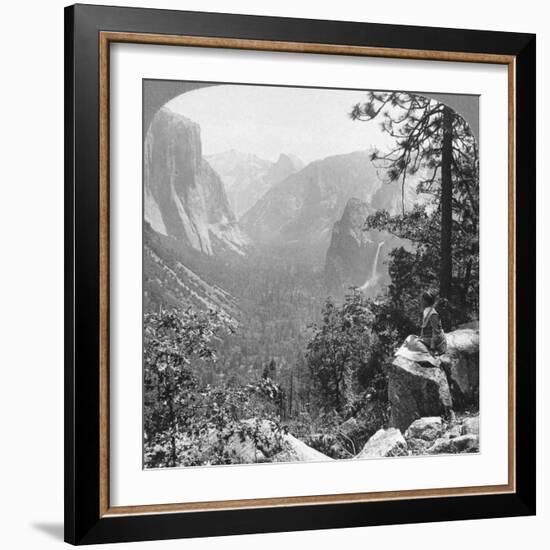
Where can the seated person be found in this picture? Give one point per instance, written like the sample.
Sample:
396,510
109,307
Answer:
431,332
431,343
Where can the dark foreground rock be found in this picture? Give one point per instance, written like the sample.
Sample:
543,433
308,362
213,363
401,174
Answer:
433,435
470,426
418,390
415,391
468,443
427,429
461,365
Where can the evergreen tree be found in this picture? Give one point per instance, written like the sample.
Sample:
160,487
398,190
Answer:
431,140
339,350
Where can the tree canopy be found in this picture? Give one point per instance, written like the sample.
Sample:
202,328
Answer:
434,147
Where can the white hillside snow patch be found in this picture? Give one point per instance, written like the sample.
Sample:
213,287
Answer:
188,226
213,290
152,213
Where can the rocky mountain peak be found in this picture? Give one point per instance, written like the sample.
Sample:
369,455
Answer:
285,166
290,162
353,219
247,177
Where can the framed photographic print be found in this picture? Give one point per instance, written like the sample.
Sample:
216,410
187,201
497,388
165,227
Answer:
300,281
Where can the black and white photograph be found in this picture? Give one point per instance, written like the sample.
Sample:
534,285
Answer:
310,274
276,275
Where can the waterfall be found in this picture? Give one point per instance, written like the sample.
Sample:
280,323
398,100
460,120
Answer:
374,273
375,264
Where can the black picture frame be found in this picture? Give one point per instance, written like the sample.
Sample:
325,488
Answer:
84,524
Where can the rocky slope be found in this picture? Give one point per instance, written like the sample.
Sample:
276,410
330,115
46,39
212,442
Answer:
174,276
433,411
416,390
426,436
184,198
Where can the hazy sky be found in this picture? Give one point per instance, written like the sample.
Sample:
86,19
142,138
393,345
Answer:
269,120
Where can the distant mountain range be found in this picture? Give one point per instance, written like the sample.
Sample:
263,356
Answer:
301,210
247,177
312,215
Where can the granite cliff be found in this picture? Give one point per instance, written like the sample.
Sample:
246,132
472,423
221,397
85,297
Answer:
184,198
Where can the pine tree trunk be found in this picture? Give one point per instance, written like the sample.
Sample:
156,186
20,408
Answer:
466,283
291,391
445,277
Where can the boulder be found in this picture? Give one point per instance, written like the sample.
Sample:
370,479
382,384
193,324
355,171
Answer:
454,431
461,365
464,340
428,429
441,446
470,425
294,450
384,443
462,444
468,443
416,391
472,324
417,446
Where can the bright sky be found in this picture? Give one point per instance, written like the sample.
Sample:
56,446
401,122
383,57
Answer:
311,123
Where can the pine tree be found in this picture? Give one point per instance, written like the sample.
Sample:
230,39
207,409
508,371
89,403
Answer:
431,140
